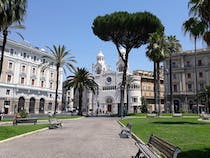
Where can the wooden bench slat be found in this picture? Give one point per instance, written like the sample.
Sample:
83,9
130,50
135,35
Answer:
157,147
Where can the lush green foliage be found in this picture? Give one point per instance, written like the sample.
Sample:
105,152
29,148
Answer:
23,113
81,80
192,136
61,58
11,131
127,31
144,105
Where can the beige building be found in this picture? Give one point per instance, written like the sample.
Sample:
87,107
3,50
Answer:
147,88
23,85
184,80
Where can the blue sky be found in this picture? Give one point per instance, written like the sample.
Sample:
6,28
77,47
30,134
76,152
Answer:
69,22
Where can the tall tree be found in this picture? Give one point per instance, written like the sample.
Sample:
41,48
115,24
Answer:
81,80
12,12
60,58
196,29
157,51
173,47
126,31
201,9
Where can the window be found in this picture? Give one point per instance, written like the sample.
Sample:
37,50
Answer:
98,70
24,55
50,106
134,99
22,80
121,68
188,63
175,88
189,87
9,78
201,86
42,72
174,76
199,62
50,95
34,58
200,74
11,51
33,70
51,85
23,68
10,65
51,74
32,82
173,65
44,61
7,92
42,83
188,75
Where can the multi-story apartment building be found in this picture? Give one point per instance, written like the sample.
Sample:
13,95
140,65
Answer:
23,83
184,79
147,88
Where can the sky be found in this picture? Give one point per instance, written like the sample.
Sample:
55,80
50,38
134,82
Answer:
68,22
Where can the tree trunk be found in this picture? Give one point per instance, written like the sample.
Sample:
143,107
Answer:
56,90
196,79
127,93
155,87
158,88
5,33
80,102
171,92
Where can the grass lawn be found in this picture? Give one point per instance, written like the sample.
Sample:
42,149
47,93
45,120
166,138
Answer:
11,131
192,136
46,118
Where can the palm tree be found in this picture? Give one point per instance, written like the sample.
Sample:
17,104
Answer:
201,9
157,52
196,29
12,12
60,58
173,46
82,80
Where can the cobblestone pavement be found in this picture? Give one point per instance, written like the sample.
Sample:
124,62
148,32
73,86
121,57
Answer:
83,138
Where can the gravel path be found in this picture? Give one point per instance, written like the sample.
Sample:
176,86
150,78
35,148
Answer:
83,138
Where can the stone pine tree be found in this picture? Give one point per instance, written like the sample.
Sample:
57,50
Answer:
128,31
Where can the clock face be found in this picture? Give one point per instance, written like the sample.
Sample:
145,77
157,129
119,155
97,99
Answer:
109,79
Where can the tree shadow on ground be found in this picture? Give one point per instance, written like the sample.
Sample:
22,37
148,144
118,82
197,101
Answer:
205,153
178,123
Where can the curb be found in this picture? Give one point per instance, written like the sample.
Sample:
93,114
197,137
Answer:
22,135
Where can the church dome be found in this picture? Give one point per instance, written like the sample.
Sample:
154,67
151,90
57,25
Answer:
100,54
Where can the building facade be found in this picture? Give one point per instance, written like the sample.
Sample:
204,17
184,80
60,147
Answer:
107,98
147,88
184,79
23,83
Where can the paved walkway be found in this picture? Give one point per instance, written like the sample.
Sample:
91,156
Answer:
83,138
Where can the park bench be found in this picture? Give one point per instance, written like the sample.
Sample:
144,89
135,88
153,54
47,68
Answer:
24,120
205,116
126,130
54,123
156,148
152,115
177,114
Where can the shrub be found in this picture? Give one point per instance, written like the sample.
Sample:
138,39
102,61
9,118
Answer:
23,113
